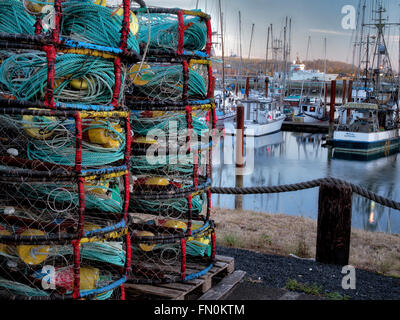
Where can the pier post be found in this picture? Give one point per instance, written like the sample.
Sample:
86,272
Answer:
239,136
239,154
349,98
266,87
332,107
350,92
334,224
344,92
247,91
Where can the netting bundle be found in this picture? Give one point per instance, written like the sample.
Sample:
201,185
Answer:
78,78
91,23
165,82
163,31
163,251
14,18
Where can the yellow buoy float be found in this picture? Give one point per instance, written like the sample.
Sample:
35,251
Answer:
105,138
138,73
4,247
143,246
175,224
33,255
38,127
37,6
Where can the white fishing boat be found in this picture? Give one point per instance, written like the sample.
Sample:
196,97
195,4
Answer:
298,72
365,128
262,117
370,125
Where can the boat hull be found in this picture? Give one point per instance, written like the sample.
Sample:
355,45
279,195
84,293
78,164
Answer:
366,143
256,130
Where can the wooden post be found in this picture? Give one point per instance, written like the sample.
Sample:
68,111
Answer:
349,98
333,102
239,136
344,91
266,87
350,92
239,153
334,224
247,87
213,80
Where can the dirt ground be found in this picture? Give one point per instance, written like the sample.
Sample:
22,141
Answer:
281,234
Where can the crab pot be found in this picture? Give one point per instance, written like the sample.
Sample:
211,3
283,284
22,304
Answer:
174,32
36,266
169,82
163,251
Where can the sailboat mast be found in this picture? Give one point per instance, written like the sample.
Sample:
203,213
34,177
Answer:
223,56
266,55
240,43
361,45
251,39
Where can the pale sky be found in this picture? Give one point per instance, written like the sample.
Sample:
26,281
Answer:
315,18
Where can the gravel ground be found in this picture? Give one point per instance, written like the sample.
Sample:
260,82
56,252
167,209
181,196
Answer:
274,271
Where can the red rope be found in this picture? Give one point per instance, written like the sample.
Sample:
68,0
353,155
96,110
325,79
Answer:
51,61
209,37
118,81
125,26
183,266
122,292
181,32
77,270
208,204
214,246
210,92
189,229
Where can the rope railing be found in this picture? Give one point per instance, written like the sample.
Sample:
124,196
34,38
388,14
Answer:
310,185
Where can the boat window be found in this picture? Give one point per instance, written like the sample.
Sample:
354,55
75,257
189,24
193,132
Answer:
304,108
312,109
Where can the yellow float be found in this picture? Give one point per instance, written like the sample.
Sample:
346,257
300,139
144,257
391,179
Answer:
157,181
100,187
143,246
4,247
34,126
136,74
175,224
144,140
104,137
79,84
88,278
133,21
33,255
37,6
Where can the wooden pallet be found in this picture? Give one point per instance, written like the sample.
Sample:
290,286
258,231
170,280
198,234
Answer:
188,290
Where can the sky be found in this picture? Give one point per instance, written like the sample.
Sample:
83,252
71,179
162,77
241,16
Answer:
317,19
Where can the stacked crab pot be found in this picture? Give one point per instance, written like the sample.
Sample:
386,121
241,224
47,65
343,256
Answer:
170,94
65,139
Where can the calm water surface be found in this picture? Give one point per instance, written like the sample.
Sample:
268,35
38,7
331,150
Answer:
287,157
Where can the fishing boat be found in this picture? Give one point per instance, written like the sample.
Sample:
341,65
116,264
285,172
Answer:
370,125
262,117
225,110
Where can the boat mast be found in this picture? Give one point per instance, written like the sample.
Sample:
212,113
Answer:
223,56
361,45
266,55
251,39
240,43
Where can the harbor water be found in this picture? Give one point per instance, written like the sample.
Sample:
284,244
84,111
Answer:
287,158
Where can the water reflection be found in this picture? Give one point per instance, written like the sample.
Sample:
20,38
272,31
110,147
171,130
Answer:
285,158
